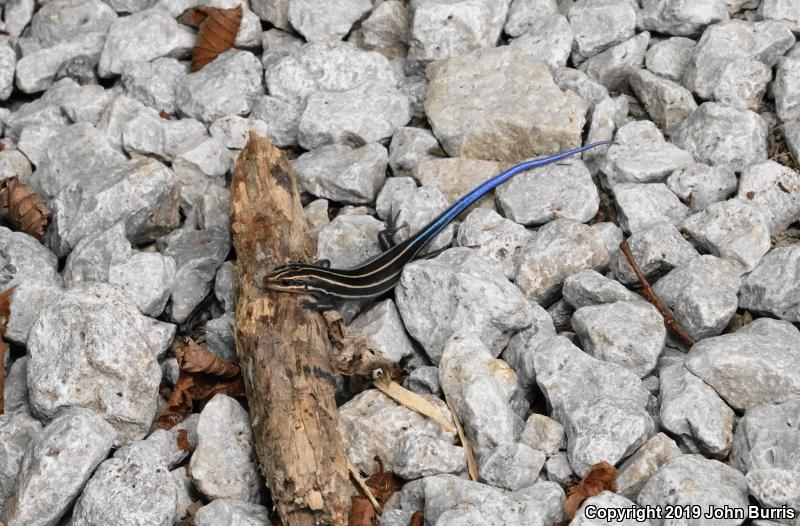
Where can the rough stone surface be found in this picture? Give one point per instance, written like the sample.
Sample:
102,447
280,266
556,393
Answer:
630,334
785,90
143,36
767,437
720,134
349,240
694,412
549,38
594,506
612,67
773,287
601,405
17,429
523,15
666,101
440,29
153,83
63,20
656,250
321,21
36,71
373,424
561,248
681,17
699,185
340,173
409,147
784,11
544,434
413,208
227,86
224,463
669,58
775,189
494,237
139,193
512,466
538,196
734,230
457,176
758,364
743,83
438,298
644,205
599,25
58,462
589,287
730,40
149,134
86,333
694,480
648,459
641,155
701,294
543,119
382,327
231,512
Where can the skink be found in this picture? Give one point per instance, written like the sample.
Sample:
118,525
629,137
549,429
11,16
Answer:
380,274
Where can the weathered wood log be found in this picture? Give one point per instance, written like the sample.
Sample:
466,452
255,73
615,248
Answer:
283,348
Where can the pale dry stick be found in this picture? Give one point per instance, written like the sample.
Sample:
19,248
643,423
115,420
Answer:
653,298
472,466
409,399
362,485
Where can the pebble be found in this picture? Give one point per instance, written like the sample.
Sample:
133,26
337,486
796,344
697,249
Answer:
154,83
549,38
143,36
588,288
36,72
438,298
320,22
641,155
786,12
637,469
409,147
544,434
758,364
773,287
643,205
691,480
457,176
743,83
373,424
224,463
656,250
594,506
667,102
612,67
543,119
561,248
541,195
694,412
344,174
600,25
630,334
700,185
494,237
383,329
787,95
57,463
767,437
601,405
81,335
386,29
231,512
17,429
412,208
229,85
744,133
734,230
672,18
512,466
775,189
701,294
669,57
524,14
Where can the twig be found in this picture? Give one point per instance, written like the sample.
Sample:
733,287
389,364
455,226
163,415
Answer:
362,485
472,466
651,296
409,399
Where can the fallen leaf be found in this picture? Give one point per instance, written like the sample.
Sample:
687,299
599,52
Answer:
164,115
417,519
216,31
599,478
195,386
23,207
3,349
361,512
5,313
472,465
182,440
197,359
383,483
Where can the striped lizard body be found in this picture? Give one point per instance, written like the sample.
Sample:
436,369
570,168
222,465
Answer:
381,273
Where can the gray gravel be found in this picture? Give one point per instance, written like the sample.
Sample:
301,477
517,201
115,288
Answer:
530,321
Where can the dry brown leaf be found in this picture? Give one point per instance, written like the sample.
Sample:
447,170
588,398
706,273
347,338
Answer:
5,313
164,115
197,359
417,519
599,478
216,31
23,207
361,512
3,349
361,484
383,483
182,440
411,400
195,386
2,146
